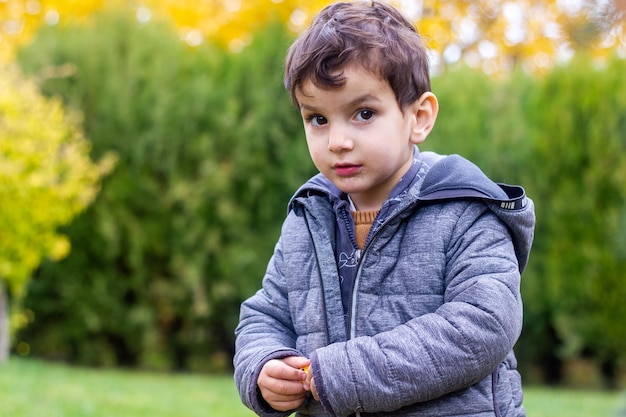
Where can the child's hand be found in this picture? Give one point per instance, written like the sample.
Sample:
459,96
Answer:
309,384
281,382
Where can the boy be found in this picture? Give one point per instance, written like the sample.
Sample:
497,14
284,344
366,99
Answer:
394,286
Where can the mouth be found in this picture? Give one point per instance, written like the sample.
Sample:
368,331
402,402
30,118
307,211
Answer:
346,169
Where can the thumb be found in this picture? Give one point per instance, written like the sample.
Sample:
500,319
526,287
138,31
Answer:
299,362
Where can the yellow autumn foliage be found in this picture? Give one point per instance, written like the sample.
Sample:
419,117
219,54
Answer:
46,177
491,35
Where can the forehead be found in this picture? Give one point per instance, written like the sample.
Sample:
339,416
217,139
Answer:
357,82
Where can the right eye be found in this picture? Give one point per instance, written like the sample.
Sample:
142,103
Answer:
317,120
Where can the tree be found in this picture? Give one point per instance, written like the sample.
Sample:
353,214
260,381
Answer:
231,23
561,136
498,36
46,178
493,35
578,177
210,150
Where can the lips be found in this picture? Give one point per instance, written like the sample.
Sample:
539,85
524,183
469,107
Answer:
346,169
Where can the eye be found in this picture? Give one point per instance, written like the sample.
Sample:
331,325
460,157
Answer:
317,120
365,115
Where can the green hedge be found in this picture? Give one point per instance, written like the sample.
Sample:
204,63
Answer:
211,150
562,136
578,175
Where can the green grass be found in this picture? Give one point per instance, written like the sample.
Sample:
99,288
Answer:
559,402
30,388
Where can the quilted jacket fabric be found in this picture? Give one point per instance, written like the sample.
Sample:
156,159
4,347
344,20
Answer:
435,307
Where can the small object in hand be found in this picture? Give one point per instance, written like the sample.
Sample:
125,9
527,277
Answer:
306,369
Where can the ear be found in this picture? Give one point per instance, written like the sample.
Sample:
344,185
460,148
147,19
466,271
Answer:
424,113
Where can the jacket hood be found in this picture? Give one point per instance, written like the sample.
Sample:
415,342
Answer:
318,185
452,178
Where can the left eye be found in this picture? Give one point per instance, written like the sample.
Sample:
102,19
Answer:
364,115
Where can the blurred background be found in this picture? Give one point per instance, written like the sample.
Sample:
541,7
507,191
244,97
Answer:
148,151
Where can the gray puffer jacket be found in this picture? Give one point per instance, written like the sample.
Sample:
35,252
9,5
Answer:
435,308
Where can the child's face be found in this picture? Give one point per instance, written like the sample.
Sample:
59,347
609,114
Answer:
358,136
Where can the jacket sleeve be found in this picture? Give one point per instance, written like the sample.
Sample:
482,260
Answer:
429,356
264,333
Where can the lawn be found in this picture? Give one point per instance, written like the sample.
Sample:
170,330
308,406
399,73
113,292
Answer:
30,388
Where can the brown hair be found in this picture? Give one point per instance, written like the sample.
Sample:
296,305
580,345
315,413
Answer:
372,35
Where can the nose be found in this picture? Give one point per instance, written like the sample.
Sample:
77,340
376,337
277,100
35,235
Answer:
339,139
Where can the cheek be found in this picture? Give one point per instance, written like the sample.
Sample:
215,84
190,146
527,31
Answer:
315,149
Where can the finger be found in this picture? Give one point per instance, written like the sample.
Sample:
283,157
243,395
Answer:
289,368
283,395
279,386
284,387
307,381
286,405
314,390
279,394
299,362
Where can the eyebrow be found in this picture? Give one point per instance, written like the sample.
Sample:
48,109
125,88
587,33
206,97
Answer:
354,103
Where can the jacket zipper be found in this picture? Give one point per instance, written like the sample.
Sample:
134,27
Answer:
361,254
